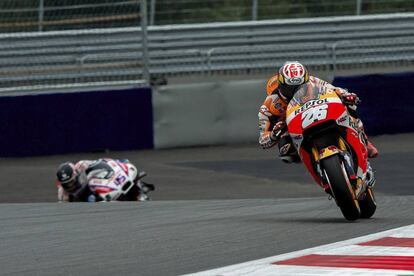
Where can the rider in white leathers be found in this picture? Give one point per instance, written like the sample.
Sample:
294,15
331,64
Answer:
72,181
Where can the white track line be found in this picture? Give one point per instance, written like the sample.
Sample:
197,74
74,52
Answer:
347,247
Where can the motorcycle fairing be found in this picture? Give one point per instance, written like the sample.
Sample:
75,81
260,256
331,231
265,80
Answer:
120,182
312,106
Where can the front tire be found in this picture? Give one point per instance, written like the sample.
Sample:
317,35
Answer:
341,187
368,204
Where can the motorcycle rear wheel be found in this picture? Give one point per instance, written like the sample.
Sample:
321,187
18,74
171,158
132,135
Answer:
368,204
341,187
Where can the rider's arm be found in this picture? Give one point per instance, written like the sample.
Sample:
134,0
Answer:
348,98
82,165
266,124
321,83
264,132
61,194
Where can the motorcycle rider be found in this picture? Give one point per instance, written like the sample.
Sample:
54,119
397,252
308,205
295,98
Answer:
72,182
272,114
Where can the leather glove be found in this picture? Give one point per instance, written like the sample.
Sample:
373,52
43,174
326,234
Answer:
277,131
350,98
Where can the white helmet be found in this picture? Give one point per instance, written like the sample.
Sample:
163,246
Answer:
291,76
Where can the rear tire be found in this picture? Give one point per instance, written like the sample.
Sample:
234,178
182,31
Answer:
368,205
341,187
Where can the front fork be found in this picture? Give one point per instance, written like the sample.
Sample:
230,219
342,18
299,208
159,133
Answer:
359,186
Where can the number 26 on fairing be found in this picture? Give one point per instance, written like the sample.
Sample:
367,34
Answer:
314,114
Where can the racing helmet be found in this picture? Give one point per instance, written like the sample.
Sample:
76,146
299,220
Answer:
291,75
67,176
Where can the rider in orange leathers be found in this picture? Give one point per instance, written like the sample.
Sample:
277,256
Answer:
272,114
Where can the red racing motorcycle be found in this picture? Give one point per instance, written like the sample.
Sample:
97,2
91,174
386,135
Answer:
332,148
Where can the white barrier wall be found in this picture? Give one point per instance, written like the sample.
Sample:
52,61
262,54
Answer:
207,113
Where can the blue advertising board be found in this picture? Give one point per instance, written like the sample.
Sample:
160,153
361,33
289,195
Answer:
387,101
76,122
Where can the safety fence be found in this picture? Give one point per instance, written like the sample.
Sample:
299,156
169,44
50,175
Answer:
52,15
37,61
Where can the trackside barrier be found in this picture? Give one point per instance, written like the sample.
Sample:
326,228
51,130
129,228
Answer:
387,105
76,122
226,112
176,115
207,113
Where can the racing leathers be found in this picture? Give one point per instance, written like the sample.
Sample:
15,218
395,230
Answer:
82,193
272,116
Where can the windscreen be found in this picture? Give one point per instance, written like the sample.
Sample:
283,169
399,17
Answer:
306,92
100,169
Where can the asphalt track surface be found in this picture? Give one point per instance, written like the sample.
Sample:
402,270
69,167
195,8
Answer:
213,206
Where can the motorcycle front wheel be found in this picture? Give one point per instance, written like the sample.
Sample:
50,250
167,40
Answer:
368,204
341,187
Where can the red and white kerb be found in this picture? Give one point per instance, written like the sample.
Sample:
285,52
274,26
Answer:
386,253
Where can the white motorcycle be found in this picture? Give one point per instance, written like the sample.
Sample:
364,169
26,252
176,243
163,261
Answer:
116,180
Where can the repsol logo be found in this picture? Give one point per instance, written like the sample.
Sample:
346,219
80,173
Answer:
310,104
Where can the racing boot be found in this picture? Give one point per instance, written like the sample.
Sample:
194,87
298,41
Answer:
370,180
372,150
